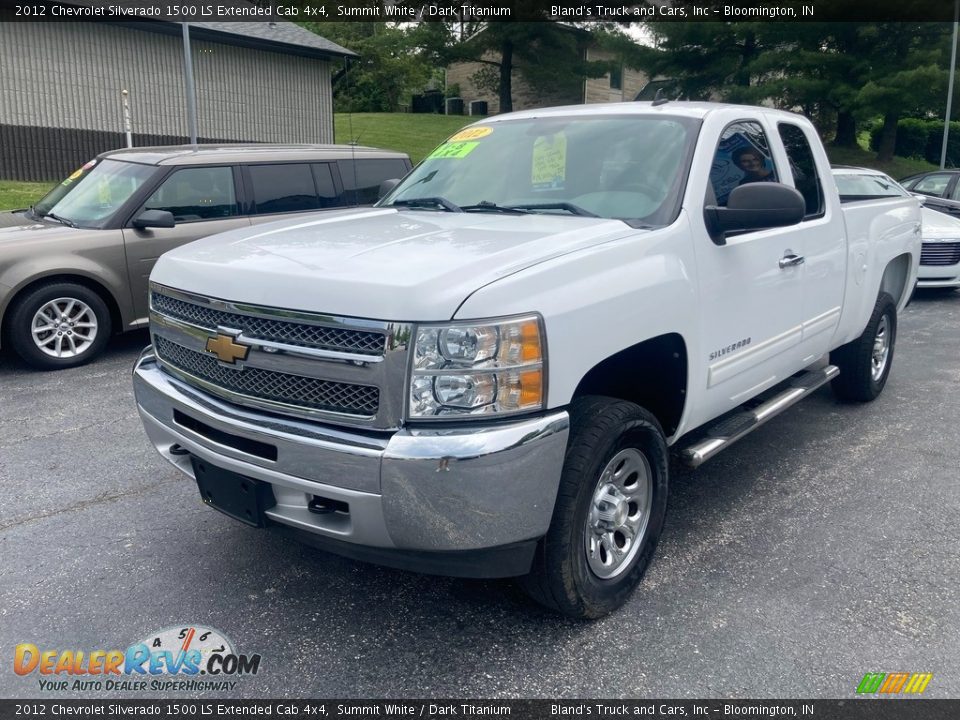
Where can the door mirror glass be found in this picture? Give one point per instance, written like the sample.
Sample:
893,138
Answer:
154,219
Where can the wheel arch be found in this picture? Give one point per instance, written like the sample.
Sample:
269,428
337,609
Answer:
895,279
652,374
91,284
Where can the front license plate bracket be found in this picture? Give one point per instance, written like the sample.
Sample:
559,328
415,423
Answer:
238,496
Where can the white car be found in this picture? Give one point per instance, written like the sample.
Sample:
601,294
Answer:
940,259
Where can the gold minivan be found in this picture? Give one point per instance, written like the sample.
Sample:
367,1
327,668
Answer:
74,267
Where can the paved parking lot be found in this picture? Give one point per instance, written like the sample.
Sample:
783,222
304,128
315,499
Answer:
823,546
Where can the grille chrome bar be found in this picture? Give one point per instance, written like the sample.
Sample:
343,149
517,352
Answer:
348,385
267,385
298,329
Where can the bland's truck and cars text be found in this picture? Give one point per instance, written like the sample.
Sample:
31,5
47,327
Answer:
483,375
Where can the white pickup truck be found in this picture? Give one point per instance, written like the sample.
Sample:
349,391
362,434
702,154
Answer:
484,374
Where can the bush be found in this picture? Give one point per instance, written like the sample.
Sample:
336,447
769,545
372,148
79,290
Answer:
918,138
912,138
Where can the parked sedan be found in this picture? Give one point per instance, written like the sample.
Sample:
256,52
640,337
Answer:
942,188
940,257
74,267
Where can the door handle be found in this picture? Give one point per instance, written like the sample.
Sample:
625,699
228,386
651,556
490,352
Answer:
790,260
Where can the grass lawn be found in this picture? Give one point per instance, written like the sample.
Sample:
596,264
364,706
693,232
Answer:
418,134
415,135
897,168
15,195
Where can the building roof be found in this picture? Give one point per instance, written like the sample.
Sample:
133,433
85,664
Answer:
271,35
282,34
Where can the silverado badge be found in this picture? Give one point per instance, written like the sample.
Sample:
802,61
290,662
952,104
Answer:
227,349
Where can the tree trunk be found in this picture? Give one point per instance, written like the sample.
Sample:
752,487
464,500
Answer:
888,137
506,76
846,130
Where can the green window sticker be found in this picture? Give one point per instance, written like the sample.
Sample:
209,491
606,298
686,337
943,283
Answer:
453,150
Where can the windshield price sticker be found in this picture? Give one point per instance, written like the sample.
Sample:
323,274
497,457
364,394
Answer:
549,168
453,150
474,133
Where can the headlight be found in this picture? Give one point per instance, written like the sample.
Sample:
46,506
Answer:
477,368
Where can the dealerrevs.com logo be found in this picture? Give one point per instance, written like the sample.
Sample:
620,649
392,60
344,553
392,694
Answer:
190,657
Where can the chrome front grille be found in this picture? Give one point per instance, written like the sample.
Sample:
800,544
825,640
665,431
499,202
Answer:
269,385
340,370
944,253
292,333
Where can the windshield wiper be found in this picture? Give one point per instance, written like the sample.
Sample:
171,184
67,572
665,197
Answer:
435,201
61,220
569,207
487,206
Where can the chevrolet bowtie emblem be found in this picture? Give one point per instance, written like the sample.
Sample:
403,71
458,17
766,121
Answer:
226,349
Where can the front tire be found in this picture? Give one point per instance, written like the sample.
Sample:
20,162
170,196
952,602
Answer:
609,512
59,325
865,363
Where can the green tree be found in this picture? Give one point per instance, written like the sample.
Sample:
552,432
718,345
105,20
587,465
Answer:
389,70
545,54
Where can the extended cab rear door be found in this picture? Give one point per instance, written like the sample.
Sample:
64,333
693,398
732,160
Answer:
820,237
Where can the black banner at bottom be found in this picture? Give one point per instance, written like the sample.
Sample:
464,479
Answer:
857,709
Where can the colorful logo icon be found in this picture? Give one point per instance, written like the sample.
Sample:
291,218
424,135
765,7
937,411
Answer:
894,683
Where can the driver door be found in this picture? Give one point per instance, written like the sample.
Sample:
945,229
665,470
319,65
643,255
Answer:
203,201
751,303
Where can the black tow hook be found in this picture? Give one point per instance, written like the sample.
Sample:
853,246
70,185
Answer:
178,450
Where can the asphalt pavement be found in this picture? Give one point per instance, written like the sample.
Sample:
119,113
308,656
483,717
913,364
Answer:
821,547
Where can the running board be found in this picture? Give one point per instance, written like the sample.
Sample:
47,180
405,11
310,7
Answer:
733,427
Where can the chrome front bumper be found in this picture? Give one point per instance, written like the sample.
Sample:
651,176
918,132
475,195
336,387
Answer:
469,487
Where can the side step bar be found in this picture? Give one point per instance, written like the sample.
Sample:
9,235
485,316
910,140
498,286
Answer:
733,427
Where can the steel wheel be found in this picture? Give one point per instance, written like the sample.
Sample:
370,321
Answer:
881,349
64,328
619,514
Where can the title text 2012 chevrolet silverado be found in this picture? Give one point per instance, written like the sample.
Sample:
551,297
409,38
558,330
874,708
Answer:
482,376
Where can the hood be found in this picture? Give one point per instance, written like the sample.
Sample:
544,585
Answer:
378,263
938,225
14,226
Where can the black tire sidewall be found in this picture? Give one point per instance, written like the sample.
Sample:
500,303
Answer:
885,307
584,594
21,318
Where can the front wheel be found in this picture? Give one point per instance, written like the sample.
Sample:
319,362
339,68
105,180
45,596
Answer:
59,325
609,511
865,363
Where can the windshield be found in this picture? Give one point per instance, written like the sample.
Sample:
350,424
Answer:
90,196
863,187
629,167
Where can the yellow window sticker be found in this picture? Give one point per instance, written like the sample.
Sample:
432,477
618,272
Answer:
473,133
549,166
453,150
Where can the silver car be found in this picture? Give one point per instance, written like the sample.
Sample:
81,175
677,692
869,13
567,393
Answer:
74,267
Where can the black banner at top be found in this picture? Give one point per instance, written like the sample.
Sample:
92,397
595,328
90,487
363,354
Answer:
461,709
483,10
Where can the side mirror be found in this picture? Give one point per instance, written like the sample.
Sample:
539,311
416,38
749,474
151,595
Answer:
754,206
154,219
386,186
921,198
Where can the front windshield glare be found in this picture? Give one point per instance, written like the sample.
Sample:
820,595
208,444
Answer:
91,196
626,167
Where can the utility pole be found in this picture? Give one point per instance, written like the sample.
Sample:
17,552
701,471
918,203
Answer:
191,87
953,68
